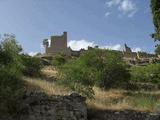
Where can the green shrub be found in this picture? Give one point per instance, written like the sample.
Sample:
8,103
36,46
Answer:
59,60
149,73
95,66
32,65
78,78
157,50
115,73
11,85
155,6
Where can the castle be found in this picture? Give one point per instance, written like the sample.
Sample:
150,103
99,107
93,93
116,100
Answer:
58,44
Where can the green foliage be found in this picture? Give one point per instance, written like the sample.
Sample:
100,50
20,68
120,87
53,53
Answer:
59,60
95,66
149,73
11,86
155,6
114,72
32,65
157,50
78,78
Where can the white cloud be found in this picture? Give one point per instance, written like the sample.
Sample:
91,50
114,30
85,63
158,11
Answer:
126,7
112,2
83,44
32,53
42,48
112,47
80,44
107,14
136,49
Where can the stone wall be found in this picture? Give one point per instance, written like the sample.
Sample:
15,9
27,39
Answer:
121,115
131,55
41,107
58,44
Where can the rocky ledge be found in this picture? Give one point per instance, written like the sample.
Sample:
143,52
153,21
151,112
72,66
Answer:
121,115
39,106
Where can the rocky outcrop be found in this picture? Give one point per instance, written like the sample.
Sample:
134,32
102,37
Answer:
121,115
41,107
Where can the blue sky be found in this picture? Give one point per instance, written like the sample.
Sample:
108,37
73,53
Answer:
107,23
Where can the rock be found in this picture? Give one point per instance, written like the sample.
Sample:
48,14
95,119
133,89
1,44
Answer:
39,106
121,115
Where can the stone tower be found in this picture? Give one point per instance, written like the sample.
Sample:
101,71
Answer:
56,45
127,49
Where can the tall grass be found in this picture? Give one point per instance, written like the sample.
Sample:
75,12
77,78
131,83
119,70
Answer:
40,85
121,99
144,101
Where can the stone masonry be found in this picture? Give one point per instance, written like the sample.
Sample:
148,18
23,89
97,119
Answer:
56,44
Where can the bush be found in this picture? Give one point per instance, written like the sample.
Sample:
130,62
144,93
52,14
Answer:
157,50
115,73
149,73
78,78
59,60
102,67
11,85
32,65
155,6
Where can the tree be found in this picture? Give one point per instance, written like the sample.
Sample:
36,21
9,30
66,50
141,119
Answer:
32,65
114,73
11,85
155,6
157,50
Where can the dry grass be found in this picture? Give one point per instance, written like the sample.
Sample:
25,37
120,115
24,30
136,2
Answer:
42,84
122,99
49,88
49,71
111,99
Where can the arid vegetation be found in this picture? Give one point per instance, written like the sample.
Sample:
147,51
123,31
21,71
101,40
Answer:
115,99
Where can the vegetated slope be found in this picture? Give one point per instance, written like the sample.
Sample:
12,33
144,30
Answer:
114,99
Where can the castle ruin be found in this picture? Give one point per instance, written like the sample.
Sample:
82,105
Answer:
56,45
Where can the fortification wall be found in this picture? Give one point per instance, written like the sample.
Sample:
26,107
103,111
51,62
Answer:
146,55
130,55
